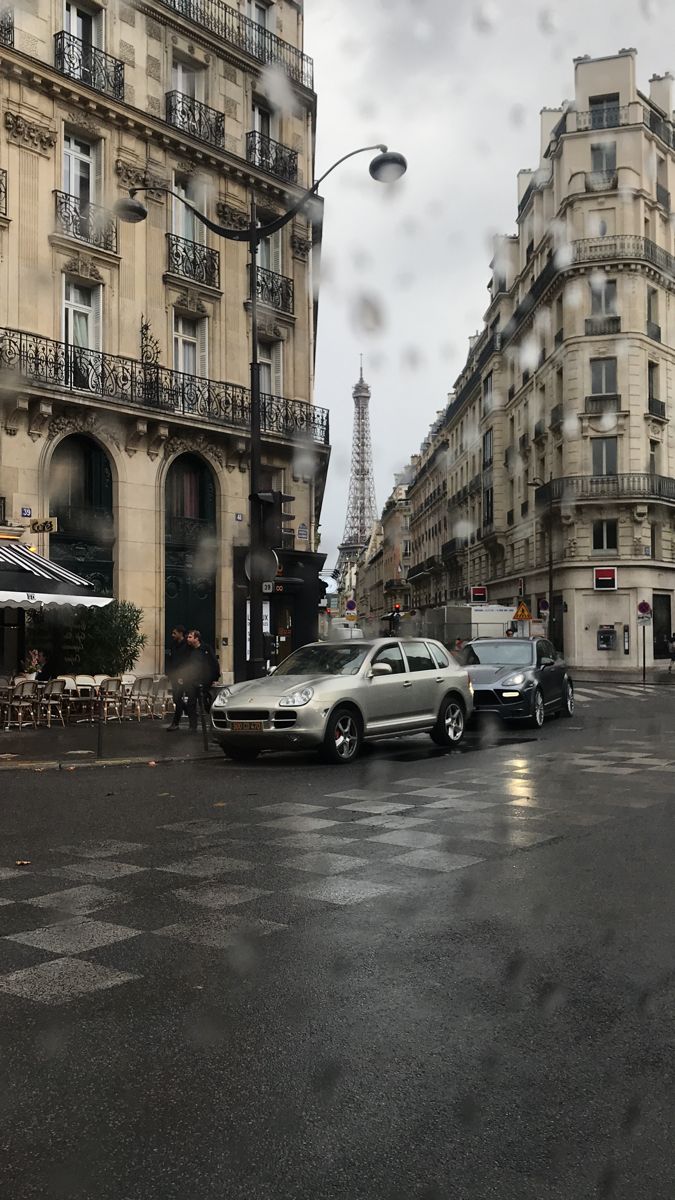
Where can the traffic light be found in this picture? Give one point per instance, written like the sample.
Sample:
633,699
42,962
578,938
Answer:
397,614
275,536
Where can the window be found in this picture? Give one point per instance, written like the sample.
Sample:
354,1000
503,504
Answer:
406,550
653,380
603,298
257,12
544,650
80,177
440,657
604,111
184,223
604,455
487,393
488,506
653,305
189,345
270,360
605,536
603,376
187,80
487,448
603,157
392,655
81,316
269,253
262,119
83,23
653,458
418,656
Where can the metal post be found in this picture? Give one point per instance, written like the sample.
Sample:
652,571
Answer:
644,655
202,718
99,732
256,657
551,617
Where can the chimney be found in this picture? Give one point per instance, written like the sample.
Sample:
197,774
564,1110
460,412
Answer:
661,92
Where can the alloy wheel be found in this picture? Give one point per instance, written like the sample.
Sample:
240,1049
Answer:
454,722
346,736
538,710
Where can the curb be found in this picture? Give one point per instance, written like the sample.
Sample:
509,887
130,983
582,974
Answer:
59,765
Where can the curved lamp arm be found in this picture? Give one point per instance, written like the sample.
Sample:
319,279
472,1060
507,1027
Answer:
258,232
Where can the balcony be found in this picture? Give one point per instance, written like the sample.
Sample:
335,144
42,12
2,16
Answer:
271,156
663,196
509,517
6,27
524,443
90,374
539,429
475,485
451,548
598,405
89,65
601,181
196,119
642,486
654,331
253,39
187,531
193,261
598,326
275,290
86,222
417,570
3,192
85,522
556,417
609,116
657,408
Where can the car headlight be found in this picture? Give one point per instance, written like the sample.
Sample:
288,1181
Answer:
470,688
514,680
296,699
222,698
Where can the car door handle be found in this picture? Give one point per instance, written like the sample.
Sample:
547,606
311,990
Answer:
439,679
408,683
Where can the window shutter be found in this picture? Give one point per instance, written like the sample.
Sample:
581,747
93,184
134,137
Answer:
275,252
277,369
97,29
96,334
97,171
203,349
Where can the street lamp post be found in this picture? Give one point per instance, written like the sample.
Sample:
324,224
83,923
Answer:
386,167
536,482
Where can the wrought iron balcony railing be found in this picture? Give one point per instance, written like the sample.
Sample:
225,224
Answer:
89,65
88,522
3,192
272,156
539,429
641,486
152,388
657,408
606,116
246,35
556,416
6,27
196,119
86,222
187,531
602,325
191,260
601,181
524,442
275,290
608,402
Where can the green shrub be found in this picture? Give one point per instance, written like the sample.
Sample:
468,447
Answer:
92,641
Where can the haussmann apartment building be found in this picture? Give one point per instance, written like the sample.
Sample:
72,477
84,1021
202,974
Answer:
125,349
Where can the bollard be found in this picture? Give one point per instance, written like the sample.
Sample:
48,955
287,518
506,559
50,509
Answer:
99,732
202,717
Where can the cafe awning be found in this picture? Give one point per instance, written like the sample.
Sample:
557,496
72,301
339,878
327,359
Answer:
29,581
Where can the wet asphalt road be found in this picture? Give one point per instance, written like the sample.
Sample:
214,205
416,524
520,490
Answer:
425,975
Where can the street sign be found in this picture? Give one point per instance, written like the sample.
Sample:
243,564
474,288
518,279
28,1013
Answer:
604,579
350,616
478,595
350,606
644,613
522,612
644,619
267,588
303,533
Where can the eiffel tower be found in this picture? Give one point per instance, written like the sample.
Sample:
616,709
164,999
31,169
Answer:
361,507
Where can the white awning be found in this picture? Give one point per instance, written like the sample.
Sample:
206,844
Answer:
27,580
35,600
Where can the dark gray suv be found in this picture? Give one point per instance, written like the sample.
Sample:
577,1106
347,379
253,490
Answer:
519,679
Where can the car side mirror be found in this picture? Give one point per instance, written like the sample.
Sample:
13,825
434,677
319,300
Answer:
548,662
271,670
380,668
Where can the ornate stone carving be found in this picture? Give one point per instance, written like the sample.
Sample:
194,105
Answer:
232,217
135,431
191,302
300,245
85,122
29,134
83,267
39,420
13,418
192,445
156,440
131,176
85,422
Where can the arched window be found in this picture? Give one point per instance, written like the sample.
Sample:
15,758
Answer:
81,498
191,551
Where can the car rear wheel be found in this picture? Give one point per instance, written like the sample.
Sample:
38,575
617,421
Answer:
538,710
450,723
343,738
241,753
567,706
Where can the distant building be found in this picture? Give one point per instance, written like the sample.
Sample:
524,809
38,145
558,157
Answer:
559,424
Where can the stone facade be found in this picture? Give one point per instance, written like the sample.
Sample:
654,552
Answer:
135,339
559,424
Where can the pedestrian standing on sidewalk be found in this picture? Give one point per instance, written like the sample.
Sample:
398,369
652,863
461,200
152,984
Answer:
671,651
205,670
177,668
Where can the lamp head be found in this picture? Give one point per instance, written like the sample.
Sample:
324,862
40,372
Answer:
131,210
388,166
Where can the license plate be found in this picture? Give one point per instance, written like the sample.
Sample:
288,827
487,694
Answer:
247,726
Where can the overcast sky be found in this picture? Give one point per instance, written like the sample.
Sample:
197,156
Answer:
455,85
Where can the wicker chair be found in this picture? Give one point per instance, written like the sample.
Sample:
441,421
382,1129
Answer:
22,701
51,702
162,699
111,696
140,697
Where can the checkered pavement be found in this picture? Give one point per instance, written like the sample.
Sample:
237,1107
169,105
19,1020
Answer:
97,915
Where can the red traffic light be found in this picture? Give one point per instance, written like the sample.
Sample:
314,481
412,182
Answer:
397,608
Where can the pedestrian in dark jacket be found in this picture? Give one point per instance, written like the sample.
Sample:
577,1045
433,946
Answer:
178,668
205,668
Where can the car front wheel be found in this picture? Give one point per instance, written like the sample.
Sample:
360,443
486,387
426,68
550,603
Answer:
567,707
450,723
343,738
538,711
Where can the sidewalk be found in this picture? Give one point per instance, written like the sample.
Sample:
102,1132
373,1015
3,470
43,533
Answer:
654,675
130,742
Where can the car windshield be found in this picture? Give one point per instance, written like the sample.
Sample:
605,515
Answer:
324,660
511,652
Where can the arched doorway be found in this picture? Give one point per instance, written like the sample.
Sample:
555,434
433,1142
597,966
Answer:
191,550
81,497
